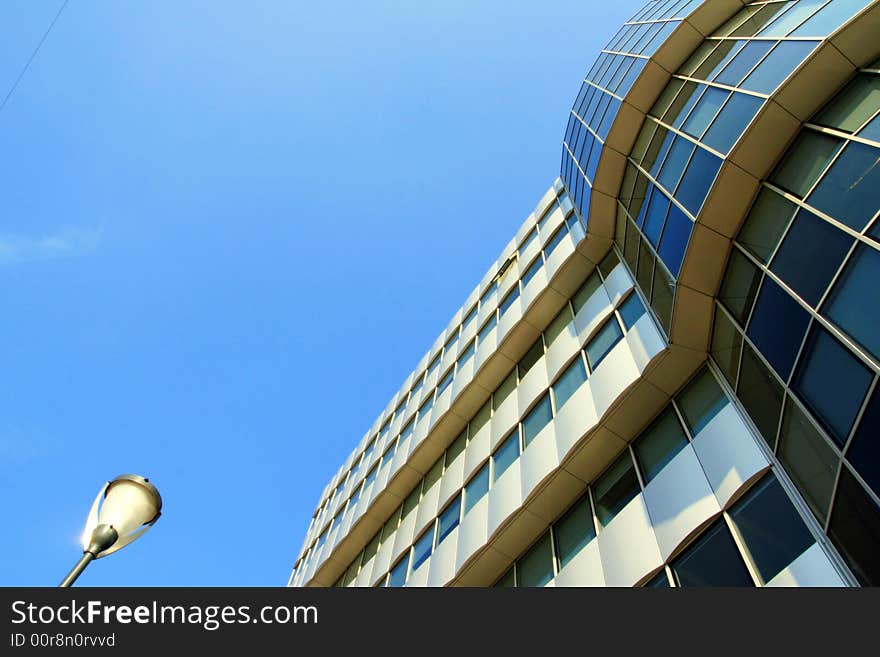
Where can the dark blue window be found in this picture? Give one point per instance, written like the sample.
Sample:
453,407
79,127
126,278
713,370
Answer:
610,115
536,420
705,111
675,239
608,336
732,121
852,303
656,216
631,77
448,520
508,300
713,560
743,62
832,382
555,240
649,193
778,65
675,163
697,180
567,384
855,529
631,310
533,269
810,255
864,452
723,53
657,149
505,455
871,130
688,96
777,327
850,191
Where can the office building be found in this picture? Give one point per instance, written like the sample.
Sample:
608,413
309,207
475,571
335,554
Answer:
669,376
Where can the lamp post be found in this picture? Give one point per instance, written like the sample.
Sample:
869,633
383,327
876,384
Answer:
124,510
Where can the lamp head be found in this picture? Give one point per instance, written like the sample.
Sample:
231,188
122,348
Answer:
124,509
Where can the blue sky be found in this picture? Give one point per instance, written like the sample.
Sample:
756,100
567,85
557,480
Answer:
229,232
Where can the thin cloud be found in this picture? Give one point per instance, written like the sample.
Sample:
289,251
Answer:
66,243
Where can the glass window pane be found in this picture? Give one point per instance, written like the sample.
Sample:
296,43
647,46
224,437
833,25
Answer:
723,53
434,474
810,255
390,525
509,299
609,262
655,216
850,191
661,297
864,451
700,401
558,325
508,579
705,111
615,488
713,560
487,327
740,286
778,65
535,568
445,381
808,459
528,240
760,393
753,25
848,304
532,356
449,519
476,488
857,103
536,420
683,103
456,448
631,310
505,455
586,291
774,533
567,384
830,17
503,391
675,238
573,531
554,241
533,269
797,13
777,327
479,420
732,121
734,72
602,343
397,576
805,161
467,353
412,501
832,383
422,548
767,221
659,443
697,180
855,529
726,346
670,173
371,549
658,581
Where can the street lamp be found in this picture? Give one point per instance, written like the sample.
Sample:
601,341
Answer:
129,506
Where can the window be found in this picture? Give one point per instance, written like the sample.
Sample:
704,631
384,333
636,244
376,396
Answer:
425,408
778,65
770,527
544,217
371,476
712,560
864,451
450,344
743,62
777,327
536,419
805,161
658,581
433,366
700,401
509,299
726,346
659,443
469,317
569,382
608,336
467,353
850,191
456,448
614,489
675,238
445,381
421,549
488,292
740,286
760,393
848,303
397,576
503,391
433,475
371,549
411,501
855,529
528,240
535,568
580,298
508,579
832,382
558,325
532,356
765,224
697,180
555,240
810,256
487,327
573,531
853,106
609,262
631,310
533,269
390,525
732,121
479,420
449,519
505,455
476,488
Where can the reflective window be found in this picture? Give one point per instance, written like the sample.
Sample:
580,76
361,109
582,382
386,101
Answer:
466,353
712,560
615,488
853,106
445,381
850,191
847,304
698,178
855,529
705,111
554,241
487,328
774,533
535,568
864,451
659,443
533,269
504,389
631,310
778,65
805,161
508,300
505,455
832,382
476,488
760,393
810,255
567,384
726,346
558,325
658,581
700,401
573,531
528,240
736,114
830,17
777,327
808,459
449,519
586,291
397,576
597,348
532,356
456,448
422,548
766,223
734,72
536,419
655,216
